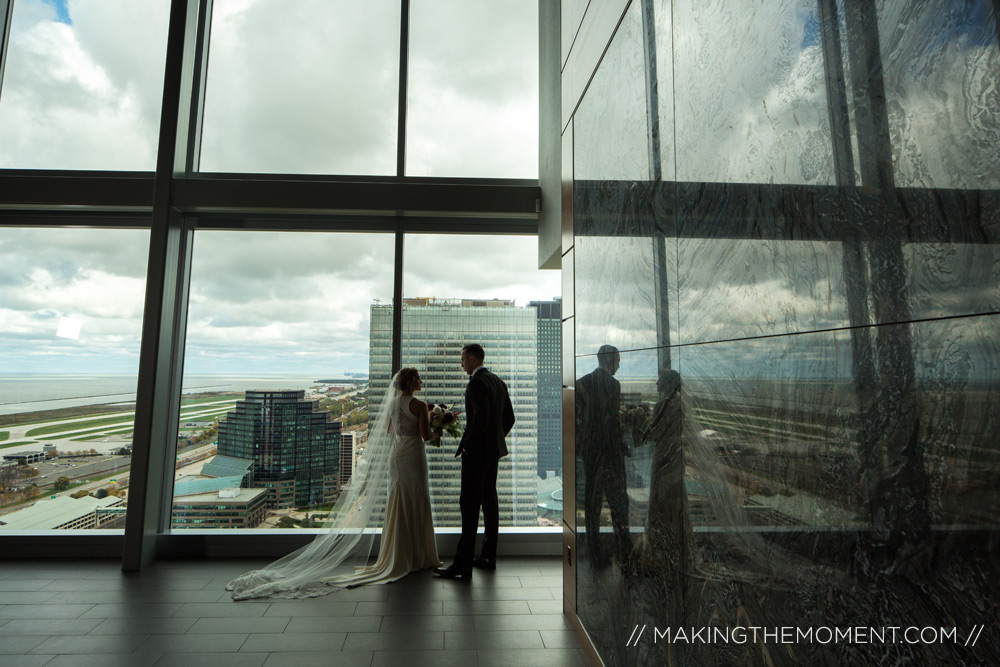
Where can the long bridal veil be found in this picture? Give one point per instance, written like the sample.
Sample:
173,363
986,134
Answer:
350,530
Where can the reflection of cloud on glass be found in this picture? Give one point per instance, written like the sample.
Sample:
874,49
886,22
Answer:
942,69
947,279
733,288
750,97
613,114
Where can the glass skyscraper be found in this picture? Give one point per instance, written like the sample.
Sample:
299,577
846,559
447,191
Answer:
434,331
295,447
549,406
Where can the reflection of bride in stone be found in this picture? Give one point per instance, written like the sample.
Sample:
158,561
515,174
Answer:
388,488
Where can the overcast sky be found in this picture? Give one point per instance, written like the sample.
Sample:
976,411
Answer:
82,91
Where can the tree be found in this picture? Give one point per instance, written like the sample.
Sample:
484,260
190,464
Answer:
285,522
79,494
101,493
60,484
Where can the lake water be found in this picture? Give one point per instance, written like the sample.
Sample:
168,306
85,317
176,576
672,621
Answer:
30,392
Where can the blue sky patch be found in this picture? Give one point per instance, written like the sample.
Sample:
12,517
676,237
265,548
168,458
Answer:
62,11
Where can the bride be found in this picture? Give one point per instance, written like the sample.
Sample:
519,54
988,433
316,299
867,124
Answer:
389,489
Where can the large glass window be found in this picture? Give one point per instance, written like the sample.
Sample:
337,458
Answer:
82,85
487,290
70,320
472,106
305,87
276,373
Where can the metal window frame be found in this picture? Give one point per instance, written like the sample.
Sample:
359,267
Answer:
173,202
6,18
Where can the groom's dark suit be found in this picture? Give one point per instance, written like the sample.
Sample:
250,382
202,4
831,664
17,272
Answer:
489,417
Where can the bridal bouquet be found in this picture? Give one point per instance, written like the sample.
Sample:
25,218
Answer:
445,419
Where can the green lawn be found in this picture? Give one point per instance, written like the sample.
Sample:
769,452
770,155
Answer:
120,420
90,431
212,399
211,417
4,435
15,444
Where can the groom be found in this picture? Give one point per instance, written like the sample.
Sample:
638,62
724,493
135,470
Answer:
489,417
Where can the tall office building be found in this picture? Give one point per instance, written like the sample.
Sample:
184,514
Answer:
294,446
346,458
549,405
434,331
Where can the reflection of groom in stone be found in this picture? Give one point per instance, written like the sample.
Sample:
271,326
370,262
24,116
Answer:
602,448
489,416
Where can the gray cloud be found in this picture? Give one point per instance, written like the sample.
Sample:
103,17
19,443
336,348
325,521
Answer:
304,87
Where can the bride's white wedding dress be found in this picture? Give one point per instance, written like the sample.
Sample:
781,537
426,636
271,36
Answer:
389,488
408,533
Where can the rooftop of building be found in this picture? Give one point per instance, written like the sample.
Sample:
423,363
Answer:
226,466
52,513
239,496
190,485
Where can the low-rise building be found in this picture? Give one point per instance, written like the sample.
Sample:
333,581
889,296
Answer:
226,508
63,513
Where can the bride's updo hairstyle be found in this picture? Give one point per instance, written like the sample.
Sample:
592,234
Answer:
405,378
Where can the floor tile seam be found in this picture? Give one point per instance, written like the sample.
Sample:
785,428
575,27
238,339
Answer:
46,638
183,604
42,640
343,643
149,637
471,664
288,620
244,643
485,632
127,634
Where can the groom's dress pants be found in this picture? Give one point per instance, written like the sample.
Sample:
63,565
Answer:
479,491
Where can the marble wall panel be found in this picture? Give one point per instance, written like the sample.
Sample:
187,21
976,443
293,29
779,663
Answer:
947,279
957,387
596,30
750,100
615,295
753,286
567,188
569,283
831,455
741,288
942,69
571,15
615,112
747,496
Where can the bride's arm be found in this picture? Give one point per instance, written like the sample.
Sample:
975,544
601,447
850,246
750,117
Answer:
419,409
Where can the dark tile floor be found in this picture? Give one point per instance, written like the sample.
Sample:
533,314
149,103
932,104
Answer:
79,613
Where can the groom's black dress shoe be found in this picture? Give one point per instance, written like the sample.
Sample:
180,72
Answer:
484,563
454,572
